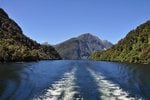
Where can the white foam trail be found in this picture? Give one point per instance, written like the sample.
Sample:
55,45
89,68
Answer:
64,89
109,90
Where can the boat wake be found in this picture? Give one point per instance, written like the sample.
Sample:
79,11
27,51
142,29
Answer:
108,89
63,89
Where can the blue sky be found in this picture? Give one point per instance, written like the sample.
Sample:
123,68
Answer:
54,21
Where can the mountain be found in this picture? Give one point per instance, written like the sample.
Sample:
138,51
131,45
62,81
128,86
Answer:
15,46
135,47
81,47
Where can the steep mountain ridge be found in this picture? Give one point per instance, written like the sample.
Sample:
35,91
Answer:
15,46
81,47
135,47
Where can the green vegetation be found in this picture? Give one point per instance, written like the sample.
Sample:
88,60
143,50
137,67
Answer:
15,46
135,47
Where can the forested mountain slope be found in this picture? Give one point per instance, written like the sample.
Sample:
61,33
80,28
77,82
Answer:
15,46
135,47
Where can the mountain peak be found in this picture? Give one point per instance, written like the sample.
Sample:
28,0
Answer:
81,47
86,34
89,36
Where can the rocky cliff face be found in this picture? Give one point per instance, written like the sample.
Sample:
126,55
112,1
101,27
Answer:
15,46
135,47
81,47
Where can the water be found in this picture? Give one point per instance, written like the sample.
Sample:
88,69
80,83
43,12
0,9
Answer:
74,80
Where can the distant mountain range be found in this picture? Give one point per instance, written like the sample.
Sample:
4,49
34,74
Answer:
82,46
15,46
135,47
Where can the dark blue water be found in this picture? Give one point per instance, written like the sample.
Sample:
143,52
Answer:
74,80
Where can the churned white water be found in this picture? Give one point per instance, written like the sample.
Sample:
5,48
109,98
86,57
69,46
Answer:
63,89
109,90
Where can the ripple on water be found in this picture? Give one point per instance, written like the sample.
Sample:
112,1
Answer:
63,89
110,90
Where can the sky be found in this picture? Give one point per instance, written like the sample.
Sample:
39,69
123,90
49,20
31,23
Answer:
55,21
